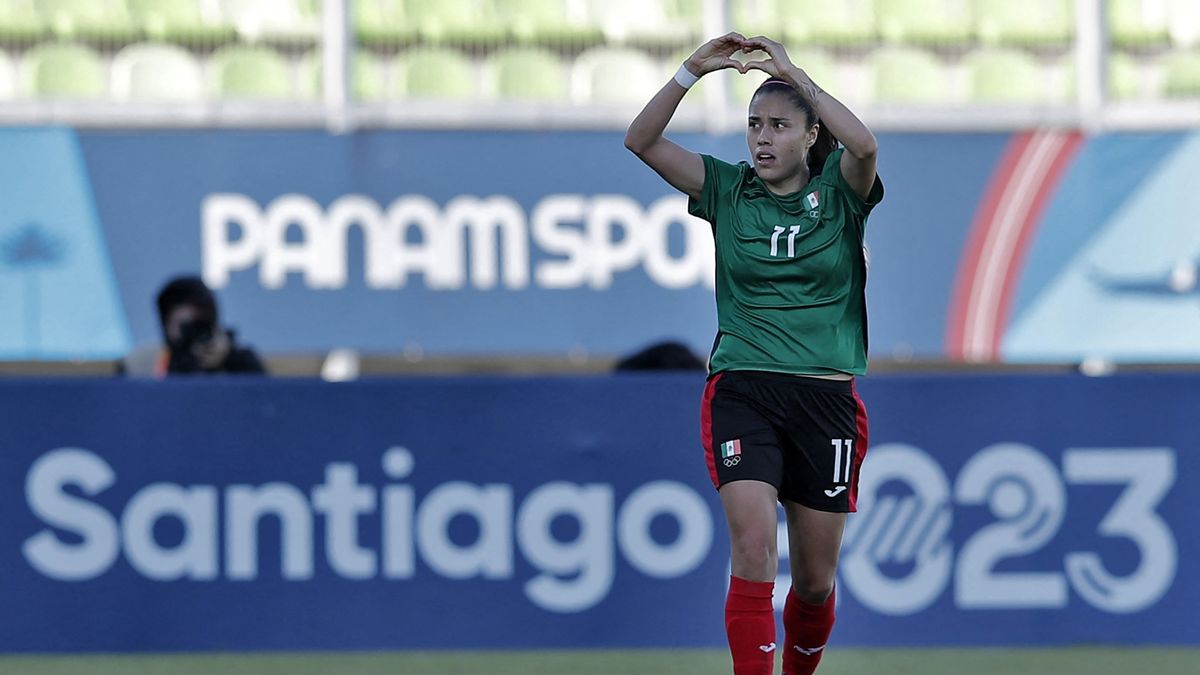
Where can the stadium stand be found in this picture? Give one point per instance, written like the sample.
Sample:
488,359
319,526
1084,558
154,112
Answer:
567,50
182,21
8,85
248,72
905,75
1005,76
156,72
615,75
1026,23
1182,75
90,20
936,23
526,74
547,22
63,70
433,73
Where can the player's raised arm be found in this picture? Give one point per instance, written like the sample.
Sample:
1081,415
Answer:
858,161
680,167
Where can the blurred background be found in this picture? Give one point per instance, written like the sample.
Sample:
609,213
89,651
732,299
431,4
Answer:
429,202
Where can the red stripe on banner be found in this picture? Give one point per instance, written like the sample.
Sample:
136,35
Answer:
860,444
706,437
969,265
1016,263
1014,202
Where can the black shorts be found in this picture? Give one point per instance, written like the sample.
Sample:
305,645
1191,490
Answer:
806,436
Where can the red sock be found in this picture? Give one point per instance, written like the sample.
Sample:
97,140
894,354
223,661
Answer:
750,626
806,628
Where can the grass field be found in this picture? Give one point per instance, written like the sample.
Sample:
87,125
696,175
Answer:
1072,661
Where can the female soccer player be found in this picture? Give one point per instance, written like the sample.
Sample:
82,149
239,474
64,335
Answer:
780,418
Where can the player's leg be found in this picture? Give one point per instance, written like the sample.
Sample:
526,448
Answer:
750,511
827,436
745,462
814,543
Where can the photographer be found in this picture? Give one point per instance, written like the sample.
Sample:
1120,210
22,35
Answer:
196,340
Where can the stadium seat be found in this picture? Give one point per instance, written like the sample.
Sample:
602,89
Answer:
1124,78
909,76
240,71
178,21
454,21
101,20
8,79
526,74
64,70
614,75
847,23
381,23
274,20
367,82
20,22
1185,22
658,24
437,73
755,17
925,22
156,72
1138,23
1181,74
547,22
1031,23
1005,76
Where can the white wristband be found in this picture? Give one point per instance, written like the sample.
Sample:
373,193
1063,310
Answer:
685,78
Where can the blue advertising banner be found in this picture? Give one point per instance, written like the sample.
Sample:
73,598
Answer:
574,512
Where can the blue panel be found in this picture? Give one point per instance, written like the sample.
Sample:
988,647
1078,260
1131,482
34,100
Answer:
496,513
58,296
151,189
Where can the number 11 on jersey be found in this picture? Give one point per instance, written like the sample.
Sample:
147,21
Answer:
841,468
792,232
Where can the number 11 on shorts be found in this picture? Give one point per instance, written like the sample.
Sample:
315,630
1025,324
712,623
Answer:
841,468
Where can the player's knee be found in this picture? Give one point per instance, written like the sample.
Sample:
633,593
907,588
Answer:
813,591
753,557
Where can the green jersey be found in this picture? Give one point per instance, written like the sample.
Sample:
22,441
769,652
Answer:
791,271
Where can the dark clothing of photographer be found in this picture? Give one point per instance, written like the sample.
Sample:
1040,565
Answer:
196,340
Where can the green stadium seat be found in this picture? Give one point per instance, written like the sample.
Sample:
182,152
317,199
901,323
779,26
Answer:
547,22
1030,23
8,78
755,17
179,21
1005,76
381,23
291,21
658,24
1124,77
925,22
64,70
1138,23
367,82
433,73
467,22
615,75
909,76
846,23
20,22
99,20
1181,75
1185,22
241,71
156,72
527,74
